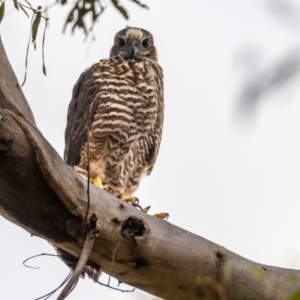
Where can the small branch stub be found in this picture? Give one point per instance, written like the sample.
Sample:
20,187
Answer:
5,146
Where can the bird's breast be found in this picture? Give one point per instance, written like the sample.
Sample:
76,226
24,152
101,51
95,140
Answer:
126,99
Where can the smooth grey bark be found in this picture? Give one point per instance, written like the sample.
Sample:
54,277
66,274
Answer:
12,96
138,249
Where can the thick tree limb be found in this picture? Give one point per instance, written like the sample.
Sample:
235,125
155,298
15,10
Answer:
147,252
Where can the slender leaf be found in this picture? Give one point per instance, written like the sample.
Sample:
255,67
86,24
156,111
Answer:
35,26
70,17
2,11
140,4
82,11
80,23
16,4
43,49
120,8
27,52
25,12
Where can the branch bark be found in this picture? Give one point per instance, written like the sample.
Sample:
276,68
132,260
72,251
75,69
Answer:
138,249
12,96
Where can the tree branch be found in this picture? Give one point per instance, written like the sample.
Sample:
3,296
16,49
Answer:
152,254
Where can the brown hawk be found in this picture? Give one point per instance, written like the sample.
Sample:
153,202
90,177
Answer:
119,104
115,119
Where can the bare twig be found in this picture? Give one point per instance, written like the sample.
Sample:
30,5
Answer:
38,255
86,251
113,261
88,171
47,296
32,9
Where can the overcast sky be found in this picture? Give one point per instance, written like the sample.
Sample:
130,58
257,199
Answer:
229,164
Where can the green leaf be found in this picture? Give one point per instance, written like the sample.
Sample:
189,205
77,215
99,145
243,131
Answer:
43,49
25,12
2,11
35,25
16,4
120,8
80,19
70,17
80,24
140,4
27,52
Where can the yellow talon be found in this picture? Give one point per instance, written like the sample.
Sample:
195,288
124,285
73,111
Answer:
98,182
130,199
164,216
146,209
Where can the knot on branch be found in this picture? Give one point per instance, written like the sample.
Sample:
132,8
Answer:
5,146
91,227
132,227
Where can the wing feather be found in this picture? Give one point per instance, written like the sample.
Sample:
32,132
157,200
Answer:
79,116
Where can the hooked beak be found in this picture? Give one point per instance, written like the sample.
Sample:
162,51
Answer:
132,49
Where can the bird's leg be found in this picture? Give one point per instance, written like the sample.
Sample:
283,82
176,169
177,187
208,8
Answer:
97,182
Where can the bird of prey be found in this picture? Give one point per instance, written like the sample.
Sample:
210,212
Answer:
116,115
115,119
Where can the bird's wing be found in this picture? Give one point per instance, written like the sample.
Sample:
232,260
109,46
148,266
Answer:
79,116
156,136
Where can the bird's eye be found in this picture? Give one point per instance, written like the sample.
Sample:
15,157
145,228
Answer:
145,43
121,42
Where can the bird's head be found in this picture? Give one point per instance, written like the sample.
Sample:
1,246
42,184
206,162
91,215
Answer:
134,43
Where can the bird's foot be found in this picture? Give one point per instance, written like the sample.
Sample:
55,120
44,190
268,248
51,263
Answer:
163,215
131,199
98,182
135,202
145,209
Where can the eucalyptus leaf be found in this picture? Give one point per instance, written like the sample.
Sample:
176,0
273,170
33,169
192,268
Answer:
16,4
25,12
70,17
120,8
35,25
27,52
140,4
43,49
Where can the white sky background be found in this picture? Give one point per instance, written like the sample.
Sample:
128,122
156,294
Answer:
224,172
